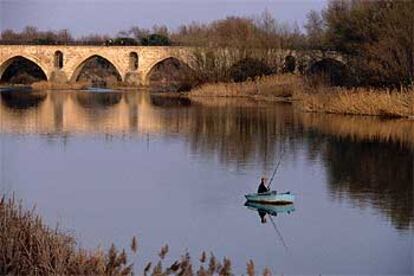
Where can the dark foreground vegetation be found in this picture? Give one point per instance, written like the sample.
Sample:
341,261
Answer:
29,247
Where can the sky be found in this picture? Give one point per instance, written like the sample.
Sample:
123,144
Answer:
83,17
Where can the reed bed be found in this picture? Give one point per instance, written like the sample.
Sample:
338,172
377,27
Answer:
359,101
322,99
276,86
29,247
46,85
81,85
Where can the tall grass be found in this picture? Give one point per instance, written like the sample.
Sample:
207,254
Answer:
314,96
47,85
281,86
29,247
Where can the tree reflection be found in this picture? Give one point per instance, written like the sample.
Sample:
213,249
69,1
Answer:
237,134
375,173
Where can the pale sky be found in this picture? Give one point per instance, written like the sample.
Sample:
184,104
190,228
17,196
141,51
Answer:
83,17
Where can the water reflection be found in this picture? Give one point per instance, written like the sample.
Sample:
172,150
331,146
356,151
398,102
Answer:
368,161
269,209
371,173
162,101
25,99
98,99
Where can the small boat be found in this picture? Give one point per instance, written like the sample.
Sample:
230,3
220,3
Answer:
271,197
271,209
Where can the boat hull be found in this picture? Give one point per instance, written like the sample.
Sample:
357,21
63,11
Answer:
271,198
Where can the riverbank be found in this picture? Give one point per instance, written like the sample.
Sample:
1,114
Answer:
29,247
272,88
321,99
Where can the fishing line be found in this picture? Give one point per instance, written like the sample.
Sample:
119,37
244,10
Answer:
277,167
279,234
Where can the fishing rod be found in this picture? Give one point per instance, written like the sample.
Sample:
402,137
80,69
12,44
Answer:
277,167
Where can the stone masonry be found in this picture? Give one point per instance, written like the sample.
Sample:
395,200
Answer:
75,57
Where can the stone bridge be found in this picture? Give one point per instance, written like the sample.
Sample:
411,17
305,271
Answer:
63,63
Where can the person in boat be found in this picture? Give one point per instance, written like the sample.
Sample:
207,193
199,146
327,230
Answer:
262,186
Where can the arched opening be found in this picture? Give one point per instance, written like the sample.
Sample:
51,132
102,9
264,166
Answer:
171,75
329,71
58,60
290,64
133,61
249,68
20,70
98,72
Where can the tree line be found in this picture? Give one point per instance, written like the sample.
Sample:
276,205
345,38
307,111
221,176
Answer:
376,37
248,32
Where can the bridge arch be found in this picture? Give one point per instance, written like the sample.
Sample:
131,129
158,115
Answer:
289,64
332,70
147,73
78,68
9,61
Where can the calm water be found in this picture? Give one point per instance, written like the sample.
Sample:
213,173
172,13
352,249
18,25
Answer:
107,166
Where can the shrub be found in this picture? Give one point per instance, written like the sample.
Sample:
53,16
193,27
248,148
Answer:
249,68
155,40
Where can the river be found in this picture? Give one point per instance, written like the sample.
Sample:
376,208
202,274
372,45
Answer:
108,166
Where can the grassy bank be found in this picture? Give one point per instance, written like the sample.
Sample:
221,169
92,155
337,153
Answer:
274,87
45,85
81,85
359,101
29,247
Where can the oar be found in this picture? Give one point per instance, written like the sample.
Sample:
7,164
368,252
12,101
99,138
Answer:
277,231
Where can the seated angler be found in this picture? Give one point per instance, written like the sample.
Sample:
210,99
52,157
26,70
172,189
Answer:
262,187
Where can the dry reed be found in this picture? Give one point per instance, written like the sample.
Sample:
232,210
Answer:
274,86
46,85
29,247
289,87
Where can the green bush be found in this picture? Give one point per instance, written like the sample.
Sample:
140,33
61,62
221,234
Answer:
155,40
122,41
